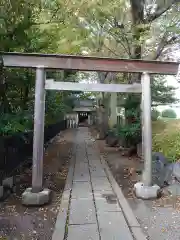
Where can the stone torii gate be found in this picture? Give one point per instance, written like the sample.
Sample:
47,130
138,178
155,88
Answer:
37,195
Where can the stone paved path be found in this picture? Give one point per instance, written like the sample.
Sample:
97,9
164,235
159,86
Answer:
89,207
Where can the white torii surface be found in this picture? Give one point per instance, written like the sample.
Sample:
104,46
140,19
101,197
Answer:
50,84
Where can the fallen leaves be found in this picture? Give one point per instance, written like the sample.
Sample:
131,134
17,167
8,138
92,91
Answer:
37,223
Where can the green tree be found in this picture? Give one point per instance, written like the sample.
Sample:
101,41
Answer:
162,93
169,113
131,29
32,27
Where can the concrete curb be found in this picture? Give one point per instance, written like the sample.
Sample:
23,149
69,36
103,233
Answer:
126,209
60,226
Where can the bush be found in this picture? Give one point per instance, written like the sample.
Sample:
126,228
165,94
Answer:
130,134
169,113
13,123
155,114
166,138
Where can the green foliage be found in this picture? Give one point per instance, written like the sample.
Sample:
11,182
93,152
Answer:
162,94
124,29
101,28
32,26
169,113
131,131
130,134
155,114
13,123
166,138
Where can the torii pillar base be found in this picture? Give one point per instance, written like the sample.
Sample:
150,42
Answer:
146,192
30,198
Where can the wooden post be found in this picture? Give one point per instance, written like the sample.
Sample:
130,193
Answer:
38,141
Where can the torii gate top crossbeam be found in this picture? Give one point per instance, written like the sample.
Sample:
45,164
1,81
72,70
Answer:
84,63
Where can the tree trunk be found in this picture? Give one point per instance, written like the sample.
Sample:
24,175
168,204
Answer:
103,118
103,109
133,101
137,11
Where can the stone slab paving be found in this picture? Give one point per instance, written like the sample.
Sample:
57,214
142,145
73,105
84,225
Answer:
82,232
81,190
103,205
94,212
82,211
100,183
81,173
113,226
81,177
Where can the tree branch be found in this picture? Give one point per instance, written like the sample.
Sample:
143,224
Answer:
161,46
120,42
113,52
159,12
164,42
48,22
121,27
54,14
116,37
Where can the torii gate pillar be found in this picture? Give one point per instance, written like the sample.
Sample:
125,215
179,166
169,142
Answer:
145,189
37,195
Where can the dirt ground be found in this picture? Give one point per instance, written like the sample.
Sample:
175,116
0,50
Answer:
158,218
18,222
123,168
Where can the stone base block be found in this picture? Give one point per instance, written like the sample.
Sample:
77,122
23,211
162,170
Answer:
146,192
1,191
36,199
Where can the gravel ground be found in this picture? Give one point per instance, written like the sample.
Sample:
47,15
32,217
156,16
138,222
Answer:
37,223
160,219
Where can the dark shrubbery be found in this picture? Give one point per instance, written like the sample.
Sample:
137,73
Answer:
16,149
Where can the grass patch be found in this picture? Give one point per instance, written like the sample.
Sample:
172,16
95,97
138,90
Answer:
166,138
